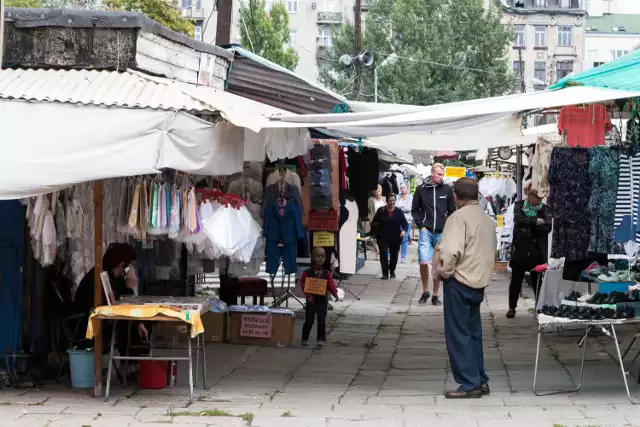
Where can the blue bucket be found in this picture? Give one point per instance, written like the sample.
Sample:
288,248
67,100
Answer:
81,364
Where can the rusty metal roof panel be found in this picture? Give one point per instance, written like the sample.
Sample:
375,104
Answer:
261,80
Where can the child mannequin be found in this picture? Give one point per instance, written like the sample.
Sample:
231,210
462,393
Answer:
317,283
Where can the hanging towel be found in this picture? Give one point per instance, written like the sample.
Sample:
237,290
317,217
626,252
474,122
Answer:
144,211
174,217
162,208
135,205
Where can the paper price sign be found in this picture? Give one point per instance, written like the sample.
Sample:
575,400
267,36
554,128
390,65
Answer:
453,172
315,286
500,221
323,239
256,326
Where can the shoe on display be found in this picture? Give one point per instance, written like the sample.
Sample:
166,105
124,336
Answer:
424,298
436,301
511,313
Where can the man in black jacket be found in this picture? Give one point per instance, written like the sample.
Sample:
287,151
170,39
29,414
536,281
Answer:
433,202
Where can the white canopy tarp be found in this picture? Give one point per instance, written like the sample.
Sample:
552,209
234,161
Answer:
467,125
71,144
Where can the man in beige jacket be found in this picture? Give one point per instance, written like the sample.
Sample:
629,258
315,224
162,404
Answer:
464,260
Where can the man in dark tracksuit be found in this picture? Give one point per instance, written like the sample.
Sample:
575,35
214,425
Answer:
433,202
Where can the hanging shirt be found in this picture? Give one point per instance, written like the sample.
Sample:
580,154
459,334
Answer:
584,127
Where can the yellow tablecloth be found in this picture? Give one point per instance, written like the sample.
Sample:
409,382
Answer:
145,312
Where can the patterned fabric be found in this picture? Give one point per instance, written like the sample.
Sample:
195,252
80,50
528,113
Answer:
145,312
626,213
540,166
570,191
603,170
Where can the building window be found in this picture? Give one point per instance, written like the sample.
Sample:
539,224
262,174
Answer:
268,5
324,38
330,6
541,35
197,4
292,38
541,3
615,54
197,32
565,35
186,4
292,6
597,64
517,66
519,41
540,71
563,69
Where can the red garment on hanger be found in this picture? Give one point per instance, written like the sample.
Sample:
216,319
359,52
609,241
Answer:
584,127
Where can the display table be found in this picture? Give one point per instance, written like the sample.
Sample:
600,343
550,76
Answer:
608,325
156,314
553,285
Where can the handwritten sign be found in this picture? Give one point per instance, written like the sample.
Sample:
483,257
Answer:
323,220
315,286
323,239
455,172
499,221
256,326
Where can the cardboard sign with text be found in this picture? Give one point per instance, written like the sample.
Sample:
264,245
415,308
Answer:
256,326
455,172
323,239
315,286
323,220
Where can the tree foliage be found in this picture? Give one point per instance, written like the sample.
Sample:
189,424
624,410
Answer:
164,12
24,3
267,33
449,50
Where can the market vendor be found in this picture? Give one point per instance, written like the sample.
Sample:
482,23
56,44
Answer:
118,262
532,225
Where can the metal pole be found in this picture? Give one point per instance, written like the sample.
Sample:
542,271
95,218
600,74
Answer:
357,83
519,172
97,285
375,85
223,27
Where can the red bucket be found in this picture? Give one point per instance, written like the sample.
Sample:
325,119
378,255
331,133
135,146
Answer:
153,374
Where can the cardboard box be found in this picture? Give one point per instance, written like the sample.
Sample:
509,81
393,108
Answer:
261,329
215,329
215,326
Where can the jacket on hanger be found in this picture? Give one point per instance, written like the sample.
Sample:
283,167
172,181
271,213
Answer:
283,222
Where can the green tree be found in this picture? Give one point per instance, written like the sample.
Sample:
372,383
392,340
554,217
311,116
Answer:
24,3
267,33
449,50
164,12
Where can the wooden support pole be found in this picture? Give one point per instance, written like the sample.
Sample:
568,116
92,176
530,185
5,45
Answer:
97,285
224,22
1,31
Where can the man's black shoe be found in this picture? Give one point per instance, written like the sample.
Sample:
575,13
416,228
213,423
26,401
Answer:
424,298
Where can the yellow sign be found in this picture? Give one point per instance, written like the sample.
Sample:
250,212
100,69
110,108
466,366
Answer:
315,286
323,239
500,221
454,172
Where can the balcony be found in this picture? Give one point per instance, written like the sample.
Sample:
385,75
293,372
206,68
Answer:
329,18
555,5
193,13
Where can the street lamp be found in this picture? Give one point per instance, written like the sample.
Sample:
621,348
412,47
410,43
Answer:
389,60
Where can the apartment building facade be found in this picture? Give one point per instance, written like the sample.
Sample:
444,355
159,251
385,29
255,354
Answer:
612,30
311,26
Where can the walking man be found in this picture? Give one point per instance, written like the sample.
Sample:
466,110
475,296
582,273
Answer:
464,259
432,203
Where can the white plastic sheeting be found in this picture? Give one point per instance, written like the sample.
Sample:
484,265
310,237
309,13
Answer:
70,144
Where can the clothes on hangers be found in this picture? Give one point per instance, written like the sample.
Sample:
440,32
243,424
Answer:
282,224
584,126
626,211
290,178
540,166
389,185
363,177
570,191
603,171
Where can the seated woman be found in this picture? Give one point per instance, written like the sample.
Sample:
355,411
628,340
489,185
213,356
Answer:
118,263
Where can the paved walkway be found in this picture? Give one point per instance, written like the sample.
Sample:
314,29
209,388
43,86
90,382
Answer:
385,365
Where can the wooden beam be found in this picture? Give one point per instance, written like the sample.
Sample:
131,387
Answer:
1,31
224,18
97,285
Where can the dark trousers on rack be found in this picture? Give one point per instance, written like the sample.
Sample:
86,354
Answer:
463,333
316,307
389,251
518,273
288,254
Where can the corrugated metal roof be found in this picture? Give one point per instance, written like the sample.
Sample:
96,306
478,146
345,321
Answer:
256,78
130,89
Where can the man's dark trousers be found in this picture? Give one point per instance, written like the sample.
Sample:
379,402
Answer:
463,333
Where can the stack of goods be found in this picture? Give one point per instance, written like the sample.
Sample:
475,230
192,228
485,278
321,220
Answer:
573,312
611,273
320,181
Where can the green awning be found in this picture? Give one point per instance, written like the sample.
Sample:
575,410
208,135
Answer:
621,74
